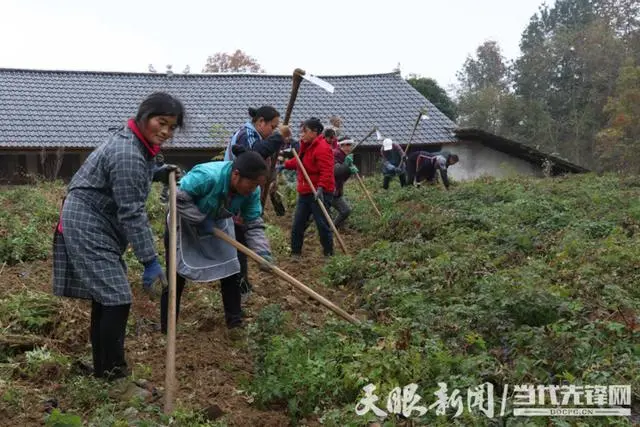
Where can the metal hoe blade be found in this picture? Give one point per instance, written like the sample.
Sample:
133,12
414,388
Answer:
319,82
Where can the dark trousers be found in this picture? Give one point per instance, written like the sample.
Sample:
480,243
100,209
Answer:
343,208
229,288
387,180
231,301
108,329
306,207
426,172
242,258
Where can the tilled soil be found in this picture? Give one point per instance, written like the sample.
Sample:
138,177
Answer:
210,368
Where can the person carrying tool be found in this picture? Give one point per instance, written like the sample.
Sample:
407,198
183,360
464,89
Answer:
272,145
102,213
392,163
264,121
343,169
218,195
317,159
251,135
422,165
269,148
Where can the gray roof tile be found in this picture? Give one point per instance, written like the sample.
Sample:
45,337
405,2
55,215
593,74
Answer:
77,109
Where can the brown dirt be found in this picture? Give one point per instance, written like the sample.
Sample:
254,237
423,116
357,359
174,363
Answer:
209,367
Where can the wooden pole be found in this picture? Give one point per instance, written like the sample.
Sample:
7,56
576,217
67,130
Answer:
283,275
365,138
295,85
364,188
320,203
406,149
170,375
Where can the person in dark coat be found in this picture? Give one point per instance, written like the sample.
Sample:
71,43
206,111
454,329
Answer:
103,212
317,158
392,163
343,170
423,165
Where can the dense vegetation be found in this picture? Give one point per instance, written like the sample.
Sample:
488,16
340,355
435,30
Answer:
519,281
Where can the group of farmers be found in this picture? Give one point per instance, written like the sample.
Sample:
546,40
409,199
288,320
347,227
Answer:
104,212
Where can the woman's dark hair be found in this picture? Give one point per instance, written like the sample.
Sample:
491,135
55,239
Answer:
329,133
314,124
249,164
161,104
265,112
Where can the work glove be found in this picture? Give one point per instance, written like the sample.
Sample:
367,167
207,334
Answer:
206,226
153,279
269,259
327,199
161,173
320,194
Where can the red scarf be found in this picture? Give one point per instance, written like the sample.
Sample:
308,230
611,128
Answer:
151,148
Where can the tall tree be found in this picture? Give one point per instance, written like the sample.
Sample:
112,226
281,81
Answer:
554,95
236,62
483,88
430,89
487,69
618,145
571,54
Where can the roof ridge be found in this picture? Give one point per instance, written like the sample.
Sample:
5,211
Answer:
175,74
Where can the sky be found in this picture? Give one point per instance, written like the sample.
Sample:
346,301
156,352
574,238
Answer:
329,37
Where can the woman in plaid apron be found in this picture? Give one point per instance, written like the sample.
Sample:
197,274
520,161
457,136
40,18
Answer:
103,212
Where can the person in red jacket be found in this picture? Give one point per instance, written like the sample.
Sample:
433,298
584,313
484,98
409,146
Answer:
317,158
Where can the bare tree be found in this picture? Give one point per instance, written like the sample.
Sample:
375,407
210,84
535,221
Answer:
237,62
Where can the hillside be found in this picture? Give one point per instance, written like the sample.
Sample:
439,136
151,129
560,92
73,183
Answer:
522,281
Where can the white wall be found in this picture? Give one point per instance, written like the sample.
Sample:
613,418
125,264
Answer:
478,160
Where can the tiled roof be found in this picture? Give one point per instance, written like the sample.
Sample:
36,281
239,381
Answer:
77,109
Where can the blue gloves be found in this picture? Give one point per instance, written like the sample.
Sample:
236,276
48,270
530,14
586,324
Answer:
153,279
267,257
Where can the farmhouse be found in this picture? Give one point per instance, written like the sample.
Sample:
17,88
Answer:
51,120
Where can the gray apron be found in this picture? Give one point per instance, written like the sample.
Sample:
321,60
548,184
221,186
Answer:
204,257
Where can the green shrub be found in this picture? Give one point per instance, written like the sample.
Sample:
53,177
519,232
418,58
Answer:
29,311
514,281
27,220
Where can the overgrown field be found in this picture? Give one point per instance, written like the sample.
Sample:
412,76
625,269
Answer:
513,282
